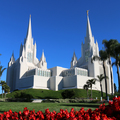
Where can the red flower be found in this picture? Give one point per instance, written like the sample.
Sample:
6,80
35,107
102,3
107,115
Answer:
109,112
26,112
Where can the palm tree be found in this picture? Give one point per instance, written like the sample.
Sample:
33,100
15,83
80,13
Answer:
103,57
2,84
6,89
1,70
117,64
100,78
86,87
90,83
116,55
109,47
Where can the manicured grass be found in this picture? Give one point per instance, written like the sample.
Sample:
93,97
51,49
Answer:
35,93
44,94
19,106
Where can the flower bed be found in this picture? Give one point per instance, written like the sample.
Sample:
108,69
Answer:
109,112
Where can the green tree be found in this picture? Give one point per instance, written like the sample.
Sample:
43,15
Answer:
90,83
116,55
100,79
2,83
86,87
103,57
109,47
6,89
1,70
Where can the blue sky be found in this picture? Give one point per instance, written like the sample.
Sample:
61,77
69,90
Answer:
58,27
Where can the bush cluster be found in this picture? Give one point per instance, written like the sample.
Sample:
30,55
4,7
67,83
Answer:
73,101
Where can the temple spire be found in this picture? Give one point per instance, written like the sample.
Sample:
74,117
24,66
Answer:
29,32
88,30
43,57
42,63
74,57
12,59
74,60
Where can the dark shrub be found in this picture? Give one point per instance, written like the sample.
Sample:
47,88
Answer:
26,97
68,94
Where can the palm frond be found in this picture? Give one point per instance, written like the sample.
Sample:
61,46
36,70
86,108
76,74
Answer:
95,58
1,70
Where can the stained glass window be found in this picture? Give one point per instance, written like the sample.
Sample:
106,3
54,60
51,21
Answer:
40,73
29,57
45,73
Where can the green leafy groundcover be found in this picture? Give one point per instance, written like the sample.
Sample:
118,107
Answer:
109,112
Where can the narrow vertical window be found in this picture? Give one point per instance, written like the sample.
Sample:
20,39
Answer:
40,72
29,57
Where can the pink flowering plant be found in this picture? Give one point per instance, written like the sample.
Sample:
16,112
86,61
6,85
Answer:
109,112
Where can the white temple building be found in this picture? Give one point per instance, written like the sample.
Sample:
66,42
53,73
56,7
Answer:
29,72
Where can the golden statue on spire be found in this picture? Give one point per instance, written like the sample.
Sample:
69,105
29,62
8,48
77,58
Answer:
87,12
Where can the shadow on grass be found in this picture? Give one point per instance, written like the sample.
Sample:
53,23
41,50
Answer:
83,105
46,97
2,111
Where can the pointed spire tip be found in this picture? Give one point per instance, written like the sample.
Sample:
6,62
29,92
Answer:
87,12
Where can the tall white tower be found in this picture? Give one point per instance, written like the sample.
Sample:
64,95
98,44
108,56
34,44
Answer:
28,50
89,49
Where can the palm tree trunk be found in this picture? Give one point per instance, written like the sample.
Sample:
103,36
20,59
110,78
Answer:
91,92
101,89
105,77
111,75
118,75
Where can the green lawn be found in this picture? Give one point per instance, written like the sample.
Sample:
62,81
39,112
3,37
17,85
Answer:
19,106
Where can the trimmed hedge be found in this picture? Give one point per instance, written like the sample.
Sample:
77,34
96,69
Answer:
50,94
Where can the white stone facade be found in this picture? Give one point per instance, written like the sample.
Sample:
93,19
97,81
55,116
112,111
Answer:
29,72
